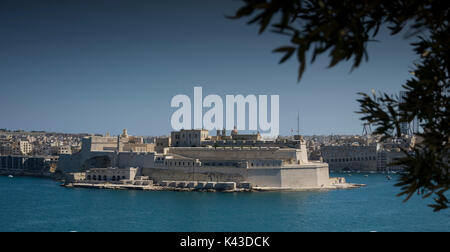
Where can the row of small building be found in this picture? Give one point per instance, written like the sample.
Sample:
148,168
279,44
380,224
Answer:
15,148
38,143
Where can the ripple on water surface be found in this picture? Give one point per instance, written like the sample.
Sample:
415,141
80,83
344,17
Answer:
34,204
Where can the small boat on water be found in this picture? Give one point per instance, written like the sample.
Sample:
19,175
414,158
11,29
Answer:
10,176
366,176
388,177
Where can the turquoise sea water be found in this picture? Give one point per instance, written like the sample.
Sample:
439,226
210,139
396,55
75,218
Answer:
34,204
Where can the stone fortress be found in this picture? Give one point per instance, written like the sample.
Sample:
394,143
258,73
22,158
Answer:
192,156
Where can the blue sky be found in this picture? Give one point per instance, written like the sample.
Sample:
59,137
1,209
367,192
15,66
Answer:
100,66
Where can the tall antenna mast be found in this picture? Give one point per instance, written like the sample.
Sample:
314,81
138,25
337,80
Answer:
298,123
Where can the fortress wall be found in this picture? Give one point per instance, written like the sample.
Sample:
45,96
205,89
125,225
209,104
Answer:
323,176
203,173
305,177
227,153
133,159
265,177
96,143
312,176
354,165
70,163
76,162
299,178
361,158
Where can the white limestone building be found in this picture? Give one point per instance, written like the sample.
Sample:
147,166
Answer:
22,148
267,167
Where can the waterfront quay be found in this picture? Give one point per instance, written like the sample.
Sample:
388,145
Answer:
197,186
169,186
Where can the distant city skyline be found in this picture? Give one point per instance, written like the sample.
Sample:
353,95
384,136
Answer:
101,66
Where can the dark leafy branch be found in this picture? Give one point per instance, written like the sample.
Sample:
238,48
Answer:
427,98
343,29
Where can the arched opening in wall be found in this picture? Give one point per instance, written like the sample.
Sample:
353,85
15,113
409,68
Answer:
113,178
88,177
94,177
104,178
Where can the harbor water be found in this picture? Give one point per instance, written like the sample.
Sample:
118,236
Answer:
36,204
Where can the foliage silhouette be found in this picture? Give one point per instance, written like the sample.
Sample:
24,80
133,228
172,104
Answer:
343,29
